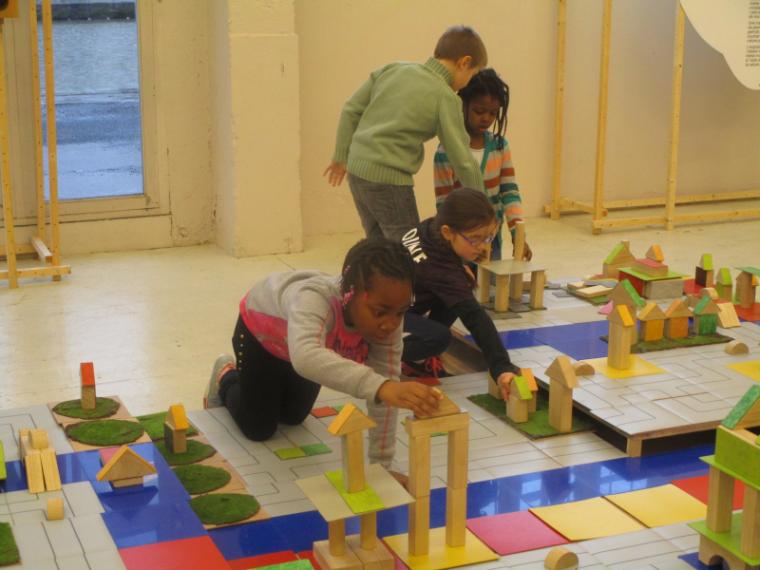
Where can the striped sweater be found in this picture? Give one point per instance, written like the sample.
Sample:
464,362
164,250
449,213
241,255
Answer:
498,175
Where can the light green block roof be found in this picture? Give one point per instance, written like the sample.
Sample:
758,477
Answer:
753,270
750,398
631,290
724,276
614,253
707,261
522,387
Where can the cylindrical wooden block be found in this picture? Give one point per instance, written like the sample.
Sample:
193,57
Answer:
560,558
336,534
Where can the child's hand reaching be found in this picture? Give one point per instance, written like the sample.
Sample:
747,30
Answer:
528,253
335,173
503,382
421,399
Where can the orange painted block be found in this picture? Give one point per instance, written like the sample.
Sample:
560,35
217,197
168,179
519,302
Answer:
87,373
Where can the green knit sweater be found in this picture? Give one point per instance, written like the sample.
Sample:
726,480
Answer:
384,124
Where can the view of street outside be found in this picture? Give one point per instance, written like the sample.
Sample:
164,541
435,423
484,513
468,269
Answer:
97,99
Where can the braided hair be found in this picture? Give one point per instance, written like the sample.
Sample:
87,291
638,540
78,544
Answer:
488,82
375,256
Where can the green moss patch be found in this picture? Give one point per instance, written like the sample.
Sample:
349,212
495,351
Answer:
105,432
8,548
196,451
198,479
104,407
224,508
154,425
667,343
538,424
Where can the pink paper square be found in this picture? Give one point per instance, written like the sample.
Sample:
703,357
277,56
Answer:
514,532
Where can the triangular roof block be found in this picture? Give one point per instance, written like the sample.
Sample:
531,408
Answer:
177,417
527,373
724,276
655,253
751,270
625,293
678,308
125,464
349,420
706,261
651,312
746,413
561,370
621,315
519,387
706,306
620,254
87,373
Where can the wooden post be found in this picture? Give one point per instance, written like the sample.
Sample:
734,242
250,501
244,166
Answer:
601,128
368,531
720,500
47,33
484,285
336,535
516,284
750,538
675,118
37,109
501,299
10,238
559,94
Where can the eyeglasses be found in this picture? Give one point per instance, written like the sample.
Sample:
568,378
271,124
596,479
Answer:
478,242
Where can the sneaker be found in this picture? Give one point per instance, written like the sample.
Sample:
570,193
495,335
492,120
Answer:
430,367
223,364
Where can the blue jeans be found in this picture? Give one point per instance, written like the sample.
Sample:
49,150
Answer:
384,209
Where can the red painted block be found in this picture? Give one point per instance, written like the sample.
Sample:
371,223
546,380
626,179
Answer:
637,283
752,314
697,488
87,373
514,532
324,412
262,560
690,287
197,552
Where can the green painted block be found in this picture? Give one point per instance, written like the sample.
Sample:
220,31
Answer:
730,540
9,553
303,564
365,501
750,398
739,455
751,270
631,290
646,278
707,261
290,452
522,388
614,253
3,472
315,449
708,324
724,276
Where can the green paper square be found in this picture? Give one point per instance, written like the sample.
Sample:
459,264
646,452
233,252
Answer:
315,449
303,564
365,501
290,452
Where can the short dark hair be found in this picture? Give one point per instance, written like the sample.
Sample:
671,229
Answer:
465,209
460,41
488,82
375,256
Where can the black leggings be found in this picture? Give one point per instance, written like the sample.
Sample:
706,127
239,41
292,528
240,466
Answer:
264,390
426,336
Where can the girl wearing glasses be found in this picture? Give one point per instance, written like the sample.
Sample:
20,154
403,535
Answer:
460,233
485,100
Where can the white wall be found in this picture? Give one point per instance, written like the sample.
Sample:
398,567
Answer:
341,41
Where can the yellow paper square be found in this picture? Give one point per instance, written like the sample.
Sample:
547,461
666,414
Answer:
639,367
660,506
439,555
750,368
584,520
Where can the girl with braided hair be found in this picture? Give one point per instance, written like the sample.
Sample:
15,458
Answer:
301,330
485,100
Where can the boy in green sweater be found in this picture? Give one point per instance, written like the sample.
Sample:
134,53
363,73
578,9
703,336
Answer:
384,124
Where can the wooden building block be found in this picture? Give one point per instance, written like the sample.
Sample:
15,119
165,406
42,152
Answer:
368,531
327,561
175,439
727,317
493,389
736,347
560,558
50,471
663,288
458,462
419,466
445,405
750,538
336,537
352,445
537,284
560,407
125,468
456,516
651,267
517,409
87,378
583,368
501,300
377,558
720,498
9,10
419,526
39,439
35,480
429,426
54,509
484,284
350,419
655,253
